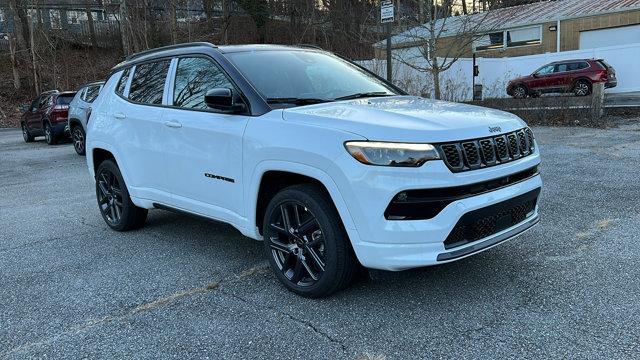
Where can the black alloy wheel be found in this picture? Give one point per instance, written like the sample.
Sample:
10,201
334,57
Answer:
78,137
297,244
116,207
306,244
109,192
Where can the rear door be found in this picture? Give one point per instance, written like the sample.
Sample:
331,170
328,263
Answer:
203,147
141,145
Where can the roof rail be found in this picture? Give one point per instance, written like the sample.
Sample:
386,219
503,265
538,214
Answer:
310,46
170,47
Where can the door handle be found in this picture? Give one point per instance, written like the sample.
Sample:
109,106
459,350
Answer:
173,124
120,116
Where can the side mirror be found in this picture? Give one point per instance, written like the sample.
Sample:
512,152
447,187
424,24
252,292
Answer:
535,75
223,99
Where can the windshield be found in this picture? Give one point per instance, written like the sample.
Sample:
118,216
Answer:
286,76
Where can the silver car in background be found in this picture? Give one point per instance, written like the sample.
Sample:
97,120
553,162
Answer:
79,111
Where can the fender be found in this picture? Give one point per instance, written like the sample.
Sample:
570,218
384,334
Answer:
253,187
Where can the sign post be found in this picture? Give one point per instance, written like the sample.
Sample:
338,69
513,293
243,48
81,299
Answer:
387,16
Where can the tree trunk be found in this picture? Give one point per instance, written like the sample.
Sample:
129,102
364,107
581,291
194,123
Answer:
92,29
19,22
36,81
464,7
126,49
14,65
174,22
225,21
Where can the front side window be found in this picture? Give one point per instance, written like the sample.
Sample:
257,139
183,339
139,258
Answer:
147,85
564,67
545,70
194,77
122,83
299,74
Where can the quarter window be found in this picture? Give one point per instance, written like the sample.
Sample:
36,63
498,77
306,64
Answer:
91,93
194,77
147,85
122,83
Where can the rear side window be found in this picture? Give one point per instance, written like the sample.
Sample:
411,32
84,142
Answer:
147,85
194,77
91,93
122,83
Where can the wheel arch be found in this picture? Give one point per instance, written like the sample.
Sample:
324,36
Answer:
74,122
272,176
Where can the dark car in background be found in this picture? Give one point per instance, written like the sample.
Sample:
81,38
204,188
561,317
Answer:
47,116
577,76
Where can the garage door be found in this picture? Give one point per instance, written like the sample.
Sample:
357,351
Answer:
610,37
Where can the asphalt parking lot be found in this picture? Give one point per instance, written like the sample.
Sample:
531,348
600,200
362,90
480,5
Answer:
186,287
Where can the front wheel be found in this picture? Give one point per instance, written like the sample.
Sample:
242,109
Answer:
306,244
78,137
116,207
520,92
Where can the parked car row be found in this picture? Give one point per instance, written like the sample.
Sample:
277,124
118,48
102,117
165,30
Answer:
60,114
576,76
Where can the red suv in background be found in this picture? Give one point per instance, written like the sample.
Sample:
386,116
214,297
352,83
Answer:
47,116
577,76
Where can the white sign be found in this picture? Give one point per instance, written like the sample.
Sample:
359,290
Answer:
386,11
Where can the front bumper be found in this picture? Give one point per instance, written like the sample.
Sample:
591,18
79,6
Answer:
402,244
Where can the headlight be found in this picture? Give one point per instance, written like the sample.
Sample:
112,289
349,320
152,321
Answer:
391,154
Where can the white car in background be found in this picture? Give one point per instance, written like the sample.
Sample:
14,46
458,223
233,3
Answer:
329,164
79,112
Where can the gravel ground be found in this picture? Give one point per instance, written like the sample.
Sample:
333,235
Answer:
185,287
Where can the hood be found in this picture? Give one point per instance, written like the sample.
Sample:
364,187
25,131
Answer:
406,118
521,78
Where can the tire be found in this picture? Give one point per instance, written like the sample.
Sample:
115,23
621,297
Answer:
520,92
49,134
26,135
582,88
313,258
79,139
115,205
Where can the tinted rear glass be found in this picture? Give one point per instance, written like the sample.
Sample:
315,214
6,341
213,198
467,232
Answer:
65,99
148,81
603,64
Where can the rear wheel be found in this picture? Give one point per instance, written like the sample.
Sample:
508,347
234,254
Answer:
78,136
306,244
26,135
49,135
520,92
582,88
116,207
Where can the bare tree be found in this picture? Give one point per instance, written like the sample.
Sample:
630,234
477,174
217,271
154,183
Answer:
92,29
443,39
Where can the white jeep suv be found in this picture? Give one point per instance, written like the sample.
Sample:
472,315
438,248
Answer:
327,163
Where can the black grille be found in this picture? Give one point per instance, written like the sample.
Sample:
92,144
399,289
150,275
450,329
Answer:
488,151
481,223
478,153
471,153
452,154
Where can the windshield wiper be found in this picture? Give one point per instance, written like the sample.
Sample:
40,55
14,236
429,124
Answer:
364,95
296,101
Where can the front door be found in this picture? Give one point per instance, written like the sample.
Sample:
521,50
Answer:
204,147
